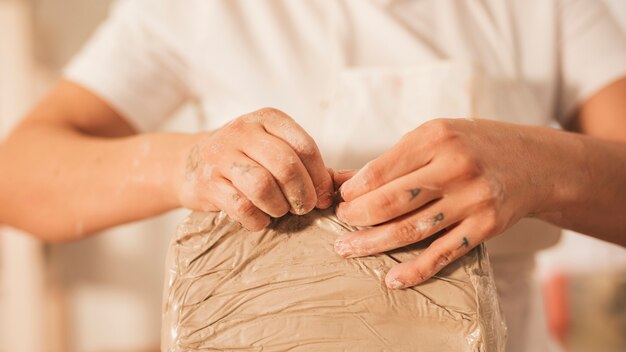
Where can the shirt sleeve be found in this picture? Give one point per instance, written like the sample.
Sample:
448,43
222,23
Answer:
592,52
131,63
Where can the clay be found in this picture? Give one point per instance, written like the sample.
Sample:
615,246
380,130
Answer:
285,289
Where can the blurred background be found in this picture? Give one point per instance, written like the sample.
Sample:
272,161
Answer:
104,293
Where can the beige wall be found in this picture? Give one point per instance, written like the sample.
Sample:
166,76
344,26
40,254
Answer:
101,294
21,257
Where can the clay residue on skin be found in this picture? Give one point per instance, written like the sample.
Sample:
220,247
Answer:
297,205
284,288
423,225
243,168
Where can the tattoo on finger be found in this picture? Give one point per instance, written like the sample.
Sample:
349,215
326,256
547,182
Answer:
437,219
414,192
464,243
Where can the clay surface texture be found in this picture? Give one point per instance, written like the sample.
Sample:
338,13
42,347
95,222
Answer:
285,289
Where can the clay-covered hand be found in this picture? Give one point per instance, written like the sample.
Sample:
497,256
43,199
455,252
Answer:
468,179
261,165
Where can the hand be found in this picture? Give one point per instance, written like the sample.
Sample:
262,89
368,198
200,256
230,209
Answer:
260,165
470,179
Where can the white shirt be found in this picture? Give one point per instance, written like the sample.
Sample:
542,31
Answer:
329,64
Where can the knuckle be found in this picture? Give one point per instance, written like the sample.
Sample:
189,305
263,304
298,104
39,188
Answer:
419,275
406,233
372,175
210,173
275,116
308,150
468,165
443,259
264,185
244,208
488,201
257,116
269,112
441,130
305,147
384,202
239,124
385,205
437,185
287,172
488,194
491,222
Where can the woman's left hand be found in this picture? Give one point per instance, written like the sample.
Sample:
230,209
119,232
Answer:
470,179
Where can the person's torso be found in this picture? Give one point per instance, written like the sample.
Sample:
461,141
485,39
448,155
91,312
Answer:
358,74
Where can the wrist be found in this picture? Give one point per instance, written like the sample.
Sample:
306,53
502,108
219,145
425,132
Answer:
563,171
158,166
186,159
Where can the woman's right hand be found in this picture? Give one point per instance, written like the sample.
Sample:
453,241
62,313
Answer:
260,165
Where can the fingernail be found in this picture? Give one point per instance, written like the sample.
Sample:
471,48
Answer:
297,206
343,171
395,284
343,248
341,191
339,213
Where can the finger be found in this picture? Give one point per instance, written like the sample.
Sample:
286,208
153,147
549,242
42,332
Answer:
400,160
256,183
284,127
443,251
287,169
341,176
405,230
239,208
331,173
393,199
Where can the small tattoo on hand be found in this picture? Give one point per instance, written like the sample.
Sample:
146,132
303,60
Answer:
437,219
193,160
414,192
464,244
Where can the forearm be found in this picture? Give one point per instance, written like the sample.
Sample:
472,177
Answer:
60,184
588,182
